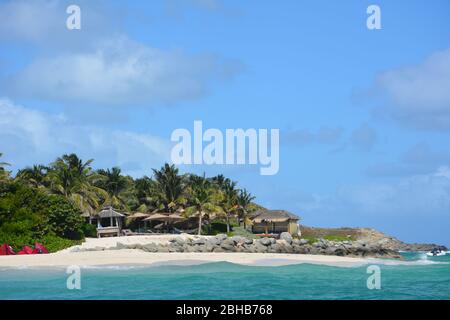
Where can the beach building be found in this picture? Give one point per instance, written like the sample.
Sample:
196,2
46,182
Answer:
275,222
109,222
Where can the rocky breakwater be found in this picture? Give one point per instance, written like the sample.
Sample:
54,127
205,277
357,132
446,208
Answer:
286,244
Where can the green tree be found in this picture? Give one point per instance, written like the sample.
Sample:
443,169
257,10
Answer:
29,215
229,200
202,201
115,184
4,174
75,179
35,176
169,188
244,200
146,192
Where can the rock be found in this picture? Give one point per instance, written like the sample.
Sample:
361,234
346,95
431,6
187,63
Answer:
150,247
238,239
265,241
162,248
213,241
248,241
76,249
284,246
286,236
221,237
177,240
275,248
261,248
303,242
228,245
199,241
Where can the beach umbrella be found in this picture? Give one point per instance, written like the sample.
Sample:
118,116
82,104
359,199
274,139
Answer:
138,215
158,216
176,217
166,218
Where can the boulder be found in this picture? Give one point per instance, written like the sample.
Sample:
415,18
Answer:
248,241
150,247
221,237
238,239
265,241
260,248
286,236
303,242
177,240
228,245
214,241
199,241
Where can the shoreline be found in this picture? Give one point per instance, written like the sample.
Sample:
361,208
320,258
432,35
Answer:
123,251
141,258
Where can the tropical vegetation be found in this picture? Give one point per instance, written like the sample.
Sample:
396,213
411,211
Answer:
47,202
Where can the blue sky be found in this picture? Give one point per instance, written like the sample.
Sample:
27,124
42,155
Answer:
364,115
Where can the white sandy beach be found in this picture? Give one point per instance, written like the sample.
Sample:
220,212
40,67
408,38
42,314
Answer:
139,257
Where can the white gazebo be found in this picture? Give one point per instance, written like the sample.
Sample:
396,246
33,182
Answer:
109,222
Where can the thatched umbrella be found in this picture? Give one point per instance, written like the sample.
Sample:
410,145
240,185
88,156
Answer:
158,216
138,216
165,217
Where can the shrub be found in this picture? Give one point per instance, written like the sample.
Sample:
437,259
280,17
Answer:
216,227
29,215
89,230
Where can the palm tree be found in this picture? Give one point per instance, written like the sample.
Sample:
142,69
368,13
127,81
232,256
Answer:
4,174
244,199
202,201
145,191
169,187
115,184
229,200
36,176
74,179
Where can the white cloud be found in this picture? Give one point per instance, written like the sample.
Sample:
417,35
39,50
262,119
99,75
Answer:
121,72
30,137
43,23
420,95
99,64
424,194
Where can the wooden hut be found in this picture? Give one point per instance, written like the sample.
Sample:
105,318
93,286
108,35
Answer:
275,221
109,222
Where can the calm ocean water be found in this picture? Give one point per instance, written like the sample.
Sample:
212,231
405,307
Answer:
424,278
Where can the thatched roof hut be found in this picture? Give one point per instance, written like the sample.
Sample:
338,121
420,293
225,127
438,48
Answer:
274,216
274,221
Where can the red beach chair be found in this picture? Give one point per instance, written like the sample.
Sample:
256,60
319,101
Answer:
39,248
25,250
6,250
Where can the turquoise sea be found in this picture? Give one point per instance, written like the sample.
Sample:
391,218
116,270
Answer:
422,278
